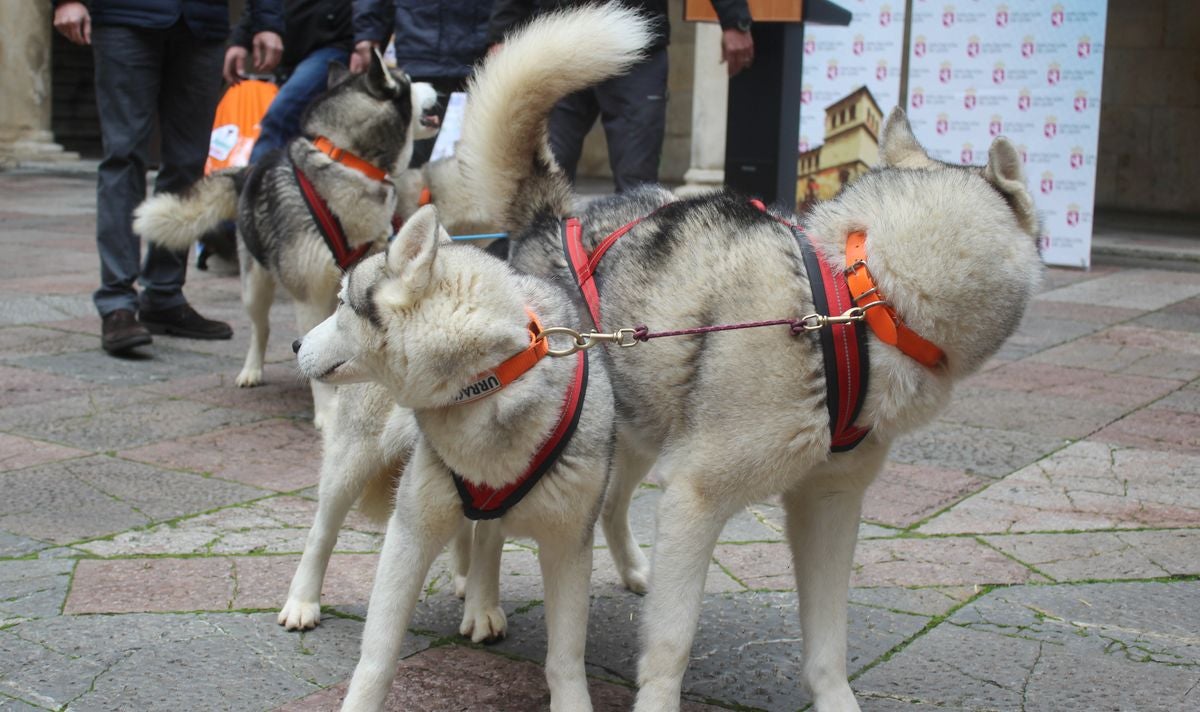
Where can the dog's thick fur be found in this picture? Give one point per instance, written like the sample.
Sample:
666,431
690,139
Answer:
423,321
376,116
732,418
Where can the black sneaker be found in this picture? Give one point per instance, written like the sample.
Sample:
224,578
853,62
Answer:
120,332
184,321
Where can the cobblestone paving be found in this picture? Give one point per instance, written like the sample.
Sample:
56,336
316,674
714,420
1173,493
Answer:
1036,548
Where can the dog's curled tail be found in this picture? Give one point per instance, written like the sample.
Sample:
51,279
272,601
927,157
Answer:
504,151
177,221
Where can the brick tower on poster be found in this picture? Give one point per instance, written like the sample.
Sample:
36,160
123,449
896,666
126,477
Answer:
851,147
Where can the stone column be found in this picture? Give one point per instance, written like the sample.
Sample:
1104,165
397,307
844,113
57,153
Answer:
25,83
709,99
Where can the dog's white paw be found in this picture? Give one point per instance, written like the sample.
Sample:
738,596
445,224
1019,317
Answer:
300,615
249,378
460,586
483,624
636,579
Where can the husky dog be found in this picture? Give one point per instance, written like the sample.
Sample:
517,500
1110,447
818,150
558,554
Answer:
374,117
425,320
732,418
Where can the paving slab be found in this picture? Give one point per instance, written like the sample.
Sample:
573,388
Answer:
1043,648
33,588
1132,350
1156,428
91,497
159,362
454,678
903,495
279,454
22,341
282,393
1106,555
1088,485
17,452
1148,290
989,452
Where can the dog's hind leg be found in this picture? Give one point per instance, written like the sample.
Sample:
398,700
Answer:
631,468
308,315
566,562
688,526
460,556
349,461
483,618
258,292
822,527
427,514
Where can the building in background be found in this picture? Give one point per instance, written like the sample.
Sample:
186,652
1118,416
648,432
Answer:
851,147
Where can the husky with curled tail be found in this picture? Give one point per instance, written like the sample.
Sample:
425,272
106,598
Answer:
940,242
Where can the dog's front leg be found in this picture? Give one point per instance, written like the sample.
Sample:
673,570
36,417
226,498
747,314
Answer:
688,527
348,462
822,528
566,562
426,515
460,556
483,618
258,292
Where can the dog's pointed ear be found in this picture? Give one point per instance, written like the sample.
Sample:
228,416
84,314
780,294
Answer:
899,147
1004,170
411,253
337,74
379,77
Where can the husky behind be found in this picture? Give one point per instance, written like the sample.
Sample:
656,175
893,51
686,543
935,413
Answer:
731,418
424,321
373,117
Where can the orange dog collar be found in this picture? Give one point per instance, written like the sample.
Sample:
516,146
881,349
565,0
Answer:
882,318
493,380
349,160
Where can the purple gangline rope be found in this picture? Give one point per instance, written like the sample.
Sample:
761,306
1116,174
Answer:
643,333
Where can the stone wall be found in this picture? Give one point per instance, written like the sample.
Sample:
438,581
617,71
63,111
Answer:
1149,156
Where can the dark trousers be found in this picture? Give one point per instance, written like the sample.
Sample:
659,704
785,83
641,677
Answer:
633,110
141,73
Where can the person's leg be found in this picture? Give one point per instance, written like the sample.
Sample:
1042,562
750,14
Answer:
634,112
187,101
445,86
282,120
127,70
570,122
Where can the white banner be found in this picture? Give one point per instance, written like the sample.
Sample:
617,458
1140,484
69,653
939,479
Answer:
1029,70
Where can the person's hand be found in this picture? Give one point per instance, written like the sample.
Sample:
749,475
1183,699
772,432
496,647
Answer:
268,50
360,61
737,49
235,64
73,21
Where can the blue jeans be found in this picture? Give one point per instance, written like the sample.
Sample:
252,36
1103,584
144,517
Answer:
308,80
139,71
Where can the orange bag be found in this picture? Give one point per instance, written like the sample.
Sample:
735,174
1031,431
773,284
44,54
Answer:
237,124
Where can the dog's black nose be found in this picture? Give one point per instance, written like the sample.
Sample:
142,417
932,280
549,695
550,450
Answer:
296,346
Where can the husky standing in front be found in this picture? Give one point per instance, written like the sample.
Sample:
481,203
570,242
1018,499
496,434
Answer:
733,418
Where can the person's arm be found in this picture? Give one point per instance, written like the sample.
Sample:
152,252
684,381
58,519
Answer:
373,22
506,16
737,45
265,41
73,21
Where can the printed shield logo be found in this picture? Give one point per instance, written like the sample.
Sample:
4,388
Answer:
995,127
1050,130
943,124
918,99
1027,48
1077,158
967,154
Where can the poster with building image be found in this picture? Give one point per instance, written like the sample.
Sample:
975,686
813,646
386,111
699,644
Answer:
850,81
1029,70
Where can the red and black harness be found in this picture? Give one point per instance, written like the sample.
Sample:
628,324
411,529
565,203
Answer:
327,223
483,502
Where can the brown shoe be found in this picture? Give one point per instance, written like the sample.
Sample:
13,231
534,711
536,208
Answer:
184,321
120,332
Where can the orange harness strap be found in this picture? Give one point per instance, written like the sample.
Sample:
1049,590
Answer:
426,197
883,319
349,160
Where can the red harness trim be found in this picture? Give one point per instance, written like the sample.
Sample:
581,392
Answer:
329,226
483,502
844,345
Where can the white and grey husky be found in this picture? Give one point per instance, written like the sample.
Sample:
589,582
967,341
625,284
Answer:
731,418
430,321
354,150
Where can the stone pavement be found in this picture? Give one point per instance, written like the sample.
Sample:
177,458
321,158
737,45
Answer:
1037,548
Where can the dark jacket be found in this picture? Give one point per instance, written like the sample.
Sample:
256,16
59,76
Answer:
207,19
507,15
309,25
434,38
